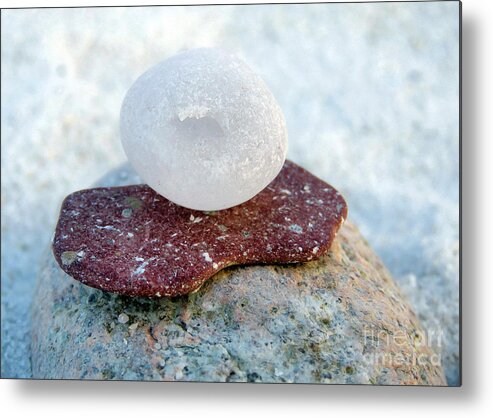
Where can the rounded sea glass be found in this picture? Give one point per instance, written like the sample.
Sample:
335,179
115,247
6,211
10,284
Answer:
203,130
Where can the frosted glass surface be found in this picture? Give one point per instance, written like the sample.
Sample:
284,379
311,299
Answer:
203,130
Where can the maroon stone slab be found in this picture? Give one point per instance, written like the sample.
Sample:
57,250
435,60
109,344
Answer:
132,241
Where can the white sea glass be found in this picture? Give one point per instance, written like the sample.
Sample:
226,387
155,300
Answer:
203,130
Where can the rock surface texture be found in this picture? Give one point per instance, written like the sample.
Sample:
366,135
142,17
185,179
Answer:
131,241
340,319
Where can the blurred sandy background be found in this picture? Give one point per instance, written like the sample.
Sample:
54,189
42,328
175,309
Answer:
371,98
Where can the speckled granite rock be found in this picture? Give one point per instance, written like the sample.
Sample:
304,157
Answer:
340,319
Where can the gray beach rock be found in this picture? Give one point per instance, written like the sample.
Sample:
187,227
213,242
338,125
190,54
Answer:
340,319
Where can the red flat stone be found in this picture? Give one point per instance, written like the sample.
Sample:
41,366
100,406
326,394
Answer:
132,241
